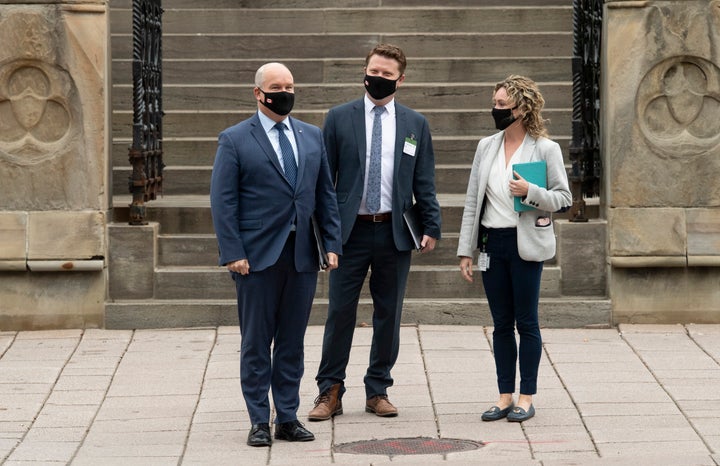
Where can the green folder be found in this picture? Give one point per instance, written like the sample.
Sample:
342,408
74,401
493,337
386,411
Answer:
533,172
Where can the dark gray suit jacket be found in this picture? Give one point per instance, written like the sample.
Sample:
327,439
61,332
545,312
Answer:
414,177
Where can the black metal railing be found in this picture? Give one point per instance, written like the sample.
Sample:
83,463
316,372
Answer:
146,152
585,174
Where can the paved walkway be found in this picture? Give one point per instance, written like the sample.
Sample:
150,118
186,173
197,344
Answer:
640,395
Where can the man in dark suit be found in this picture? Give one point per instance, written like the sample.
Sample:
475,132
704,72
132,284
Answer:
270,175
381,157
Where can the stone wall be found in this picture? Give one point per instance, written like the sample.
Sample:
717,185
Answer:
54,199
661,146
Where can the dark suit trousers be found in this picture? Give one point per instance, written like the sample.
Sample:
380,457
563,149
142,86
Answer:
370,246
512,287
274,307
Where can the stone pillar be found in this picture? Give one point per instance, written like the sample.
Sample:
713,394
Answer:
54,189
661,146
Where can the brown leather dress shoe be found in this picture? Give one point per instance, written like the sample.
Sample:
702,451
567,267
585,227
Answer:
381,406
327,405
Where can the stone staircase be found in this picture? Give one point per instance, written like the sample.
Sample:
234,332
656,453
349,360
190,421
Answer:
455,55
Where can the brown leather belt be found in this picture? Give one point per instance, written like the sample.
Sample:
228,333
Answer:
376,218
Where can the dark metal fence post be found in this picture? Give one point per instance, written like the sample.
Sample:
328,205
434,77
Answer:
146,153
585,146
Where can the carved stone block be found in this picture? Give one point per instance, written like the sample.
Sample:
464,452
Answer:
647,232
13,228
66,235
53,119
661,104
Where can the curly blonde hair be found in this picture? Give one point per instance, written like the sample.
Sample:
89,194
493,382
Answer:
526,95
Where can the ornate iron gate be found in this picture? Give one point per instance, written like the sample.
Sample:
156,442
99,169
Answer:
585,146
146,152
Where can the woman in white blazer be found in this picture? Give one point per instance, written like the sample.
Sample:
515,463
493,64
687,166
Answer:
513,245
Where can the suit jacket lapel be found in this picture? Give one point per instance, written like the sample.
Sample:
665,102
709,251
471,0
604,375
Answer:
528,149
263,141
401,130
490,156
358,121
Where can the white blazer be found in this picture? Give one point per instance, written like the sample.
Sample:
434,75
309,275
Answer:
535,243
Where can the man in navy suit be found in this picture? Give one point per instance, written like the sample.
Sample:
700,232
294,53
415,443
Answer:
381,157
270,175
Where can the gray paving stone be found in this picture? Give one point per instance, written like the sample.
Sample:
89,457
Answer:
83,460
440,392
44,451
180,423
56,434
655,448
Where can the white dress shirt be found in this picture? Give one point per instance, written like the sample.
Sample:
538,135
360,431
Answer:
500,206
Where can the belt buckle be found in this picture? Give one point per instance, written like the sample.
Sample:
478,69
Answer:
377,218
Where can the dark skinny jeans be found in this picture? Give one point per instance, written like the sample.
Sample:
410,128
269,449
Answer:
512,287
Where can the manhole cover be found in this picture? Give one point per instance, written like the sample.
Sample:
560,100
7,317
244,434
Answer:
408,446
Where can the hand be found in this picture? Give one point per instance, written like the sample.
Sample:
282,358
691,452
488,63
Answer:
242,266
519,187
427,244
333,261
466,268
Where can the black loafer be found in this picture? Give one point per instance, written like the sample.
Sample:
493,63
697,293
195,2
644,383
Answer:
259,435
293,431
495,413
519,415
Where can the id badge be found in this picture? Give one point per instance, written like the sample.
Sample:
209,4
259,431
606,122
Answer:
410,146
483,261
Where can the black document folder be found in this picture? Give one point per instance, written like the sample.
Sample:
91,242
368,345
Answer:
322,253
413,220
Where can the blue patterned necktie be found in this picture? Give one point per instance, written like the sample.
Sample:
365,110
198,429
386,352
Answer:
287,154
372,200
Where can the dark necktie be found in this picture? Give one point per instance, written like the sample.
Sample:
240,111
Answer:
287,154
372,200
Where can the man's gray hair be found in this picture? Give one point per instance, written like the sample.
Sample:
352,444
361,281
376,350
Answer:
261,71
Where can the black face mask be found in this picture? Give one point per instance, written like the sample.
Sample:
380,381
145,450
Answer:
279,102
379,87
503,117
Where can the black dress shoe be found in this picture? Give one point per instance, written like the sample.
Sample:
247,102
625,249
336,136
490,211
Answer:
519,415
259,435
495,413
293,431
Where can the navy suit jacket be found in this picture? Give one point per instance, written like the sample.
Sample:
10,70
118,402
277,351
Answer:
253,205
414,176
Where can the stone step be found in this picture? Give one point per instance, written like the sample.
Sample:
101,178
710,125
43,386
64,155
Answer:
219,97
420,44
178,180
189,250
200,152
348,70
447,122
424,281
314,4
307,20
190,214
566,312
323,4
